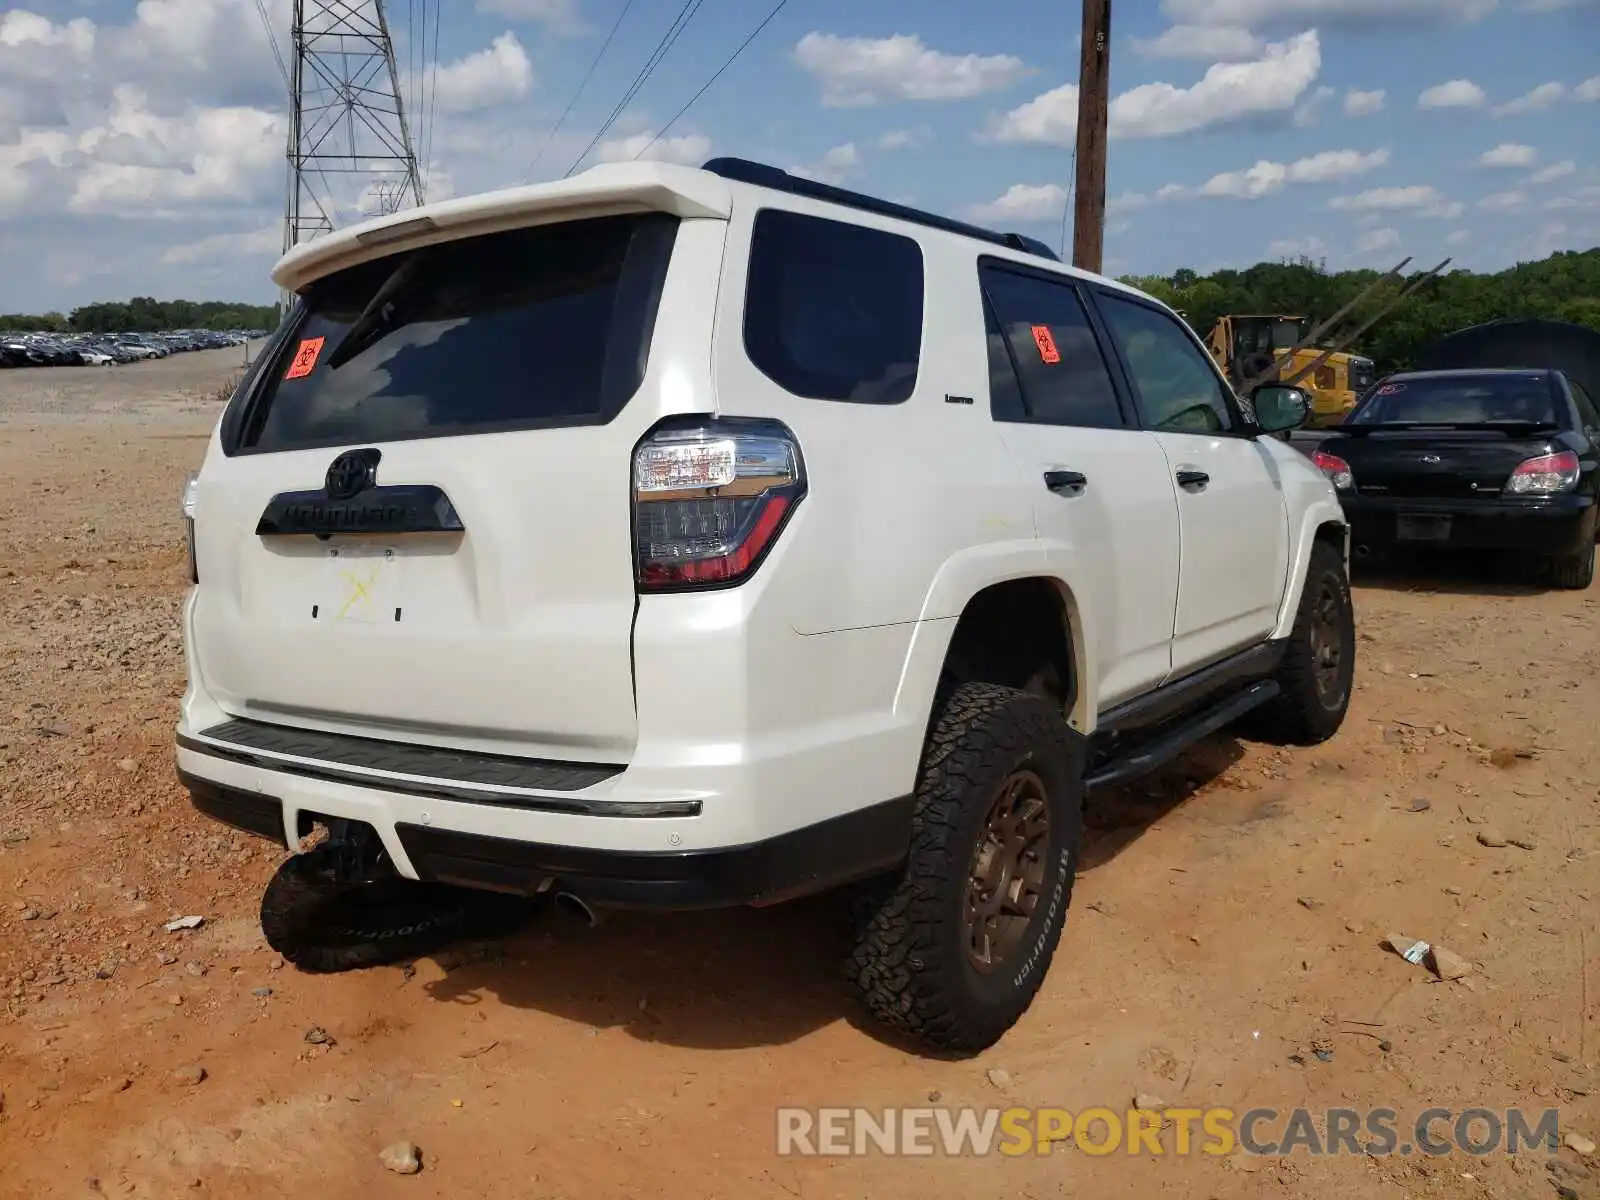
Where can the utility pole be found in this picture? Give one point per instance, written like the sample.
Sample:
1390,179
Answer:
1089,186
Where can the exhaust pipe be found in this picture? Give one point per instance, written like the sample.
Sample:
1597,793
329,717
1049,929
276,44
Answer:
574,907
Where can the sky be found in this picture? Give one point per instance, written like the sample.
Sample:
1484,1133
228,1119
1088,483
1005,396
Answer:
142,145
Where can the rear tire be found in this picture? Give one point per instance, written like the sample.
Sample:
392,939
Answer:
997,825
322,924
1574,571
1318,665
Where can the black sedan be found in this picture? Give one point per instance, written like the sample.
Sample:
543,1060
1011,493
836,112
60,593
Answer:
1478,459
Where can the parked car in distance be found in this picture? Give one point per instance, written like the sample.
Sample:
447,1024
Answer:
1485,459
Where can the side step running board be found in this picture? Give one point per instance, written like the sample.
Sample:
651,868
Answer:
1147,756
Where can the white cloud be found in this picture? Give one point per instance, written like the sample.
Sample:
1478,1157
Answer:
903,139
834,167
558,16
690,149
1210,43
1585,198
252,243
495,75
1509,154
855,72
1024,202
1425,200
1458,93
1588,91
139,164
1267,177
1504,201
1353,14
1378,239
1534,100
1171,191
1363,104
1310,112
1457,237
1229,92
1553,172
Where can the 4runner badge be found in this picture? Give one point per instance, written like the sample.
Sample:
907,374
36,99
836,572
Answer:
352,473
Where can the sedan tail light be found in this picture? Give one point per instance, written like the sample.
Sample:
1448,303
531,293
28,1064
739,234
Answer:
710,498
1544,476
1336,469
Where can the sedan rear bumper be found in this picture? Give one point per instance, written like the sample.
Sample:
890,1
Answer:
1557,525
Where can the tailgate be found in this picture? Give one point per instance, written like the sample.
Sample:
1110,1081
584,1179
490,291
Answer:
419,525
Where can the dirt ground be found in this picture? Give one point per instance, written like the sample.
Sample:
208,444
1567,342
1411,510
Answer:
1224,940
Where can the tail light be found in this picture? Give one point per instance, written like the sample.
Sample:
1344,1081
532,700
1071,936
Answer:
190,487
710,498
1336,469
1545,475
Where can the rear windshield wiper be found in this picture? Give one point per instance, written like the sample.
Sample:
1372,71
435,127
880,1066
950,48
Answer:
378,317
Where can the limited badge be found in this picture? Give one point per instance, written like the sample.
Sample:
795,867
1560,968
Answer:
1046,343
305,358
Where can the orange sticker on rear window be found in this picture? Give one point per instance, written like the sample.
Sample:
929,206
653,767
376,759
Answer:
1046,343
305,358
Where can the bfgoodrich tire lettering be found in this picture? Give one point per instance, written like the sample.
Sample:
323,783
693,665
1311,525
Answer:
915,965
1318,668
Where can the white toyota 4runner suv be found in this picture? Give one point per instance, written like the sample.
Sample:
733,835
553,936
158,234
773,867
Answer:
672,538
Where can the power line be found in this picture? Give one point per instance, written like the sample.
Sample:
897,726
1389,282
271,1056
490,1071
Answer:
717,74
431,103
674,31
583,83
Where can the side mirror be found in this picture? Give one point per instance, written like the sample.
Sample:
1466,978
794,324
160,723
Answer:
1279,408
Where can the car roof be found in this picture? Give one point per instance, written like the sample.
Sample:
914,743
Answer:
1466,372
631,187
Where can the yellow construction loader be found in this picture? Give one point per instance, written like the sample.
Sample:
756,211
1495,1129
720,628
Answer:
1249,345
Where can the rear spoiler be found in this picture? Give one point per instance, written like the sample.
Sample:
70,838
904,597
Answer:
1512,429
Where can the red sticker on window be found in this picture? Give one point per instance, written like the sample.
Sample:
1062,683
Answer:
1046,344
305,358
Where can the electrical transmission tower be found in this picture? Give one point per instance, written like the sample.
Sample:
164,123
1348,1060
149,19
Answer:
346,118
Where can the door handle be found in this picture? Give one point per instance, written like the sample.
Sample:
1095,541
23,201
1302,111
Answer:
1066,483
1193,479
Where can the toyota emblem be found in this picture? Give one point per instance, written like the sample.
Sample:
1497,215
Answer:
352,473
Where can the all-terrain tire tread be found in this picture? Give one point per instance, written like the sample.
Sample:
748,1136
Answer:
903,965
309,919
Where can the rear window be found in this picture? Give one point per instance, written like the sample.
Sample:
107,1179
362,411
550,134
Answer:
1472,399
531,328
833,311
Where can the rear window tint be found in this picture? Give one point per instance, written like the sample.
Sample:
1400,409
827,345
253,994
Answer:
1461,399
833,311
531,328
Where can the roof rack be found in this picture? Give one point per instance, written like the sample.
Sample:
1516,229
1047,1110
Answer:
743,170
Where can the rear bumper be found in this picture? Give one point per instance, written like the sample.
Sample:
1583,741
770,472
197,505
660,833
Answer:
796,863
1557,526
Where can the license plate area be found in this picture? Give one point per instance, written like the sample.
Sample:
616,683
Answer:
361,584
1422,527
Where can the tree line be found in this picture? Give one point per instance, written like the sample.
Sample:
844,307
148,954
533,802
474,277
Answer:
143,314
1563,287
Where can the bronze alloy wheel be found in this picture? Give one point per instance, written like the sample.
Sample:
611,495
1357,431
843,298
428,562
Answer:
1327,644
1008,871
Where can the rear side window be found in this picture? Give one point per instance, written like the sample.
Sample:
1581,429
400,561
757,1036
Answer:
531,328
833,311
1045,334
